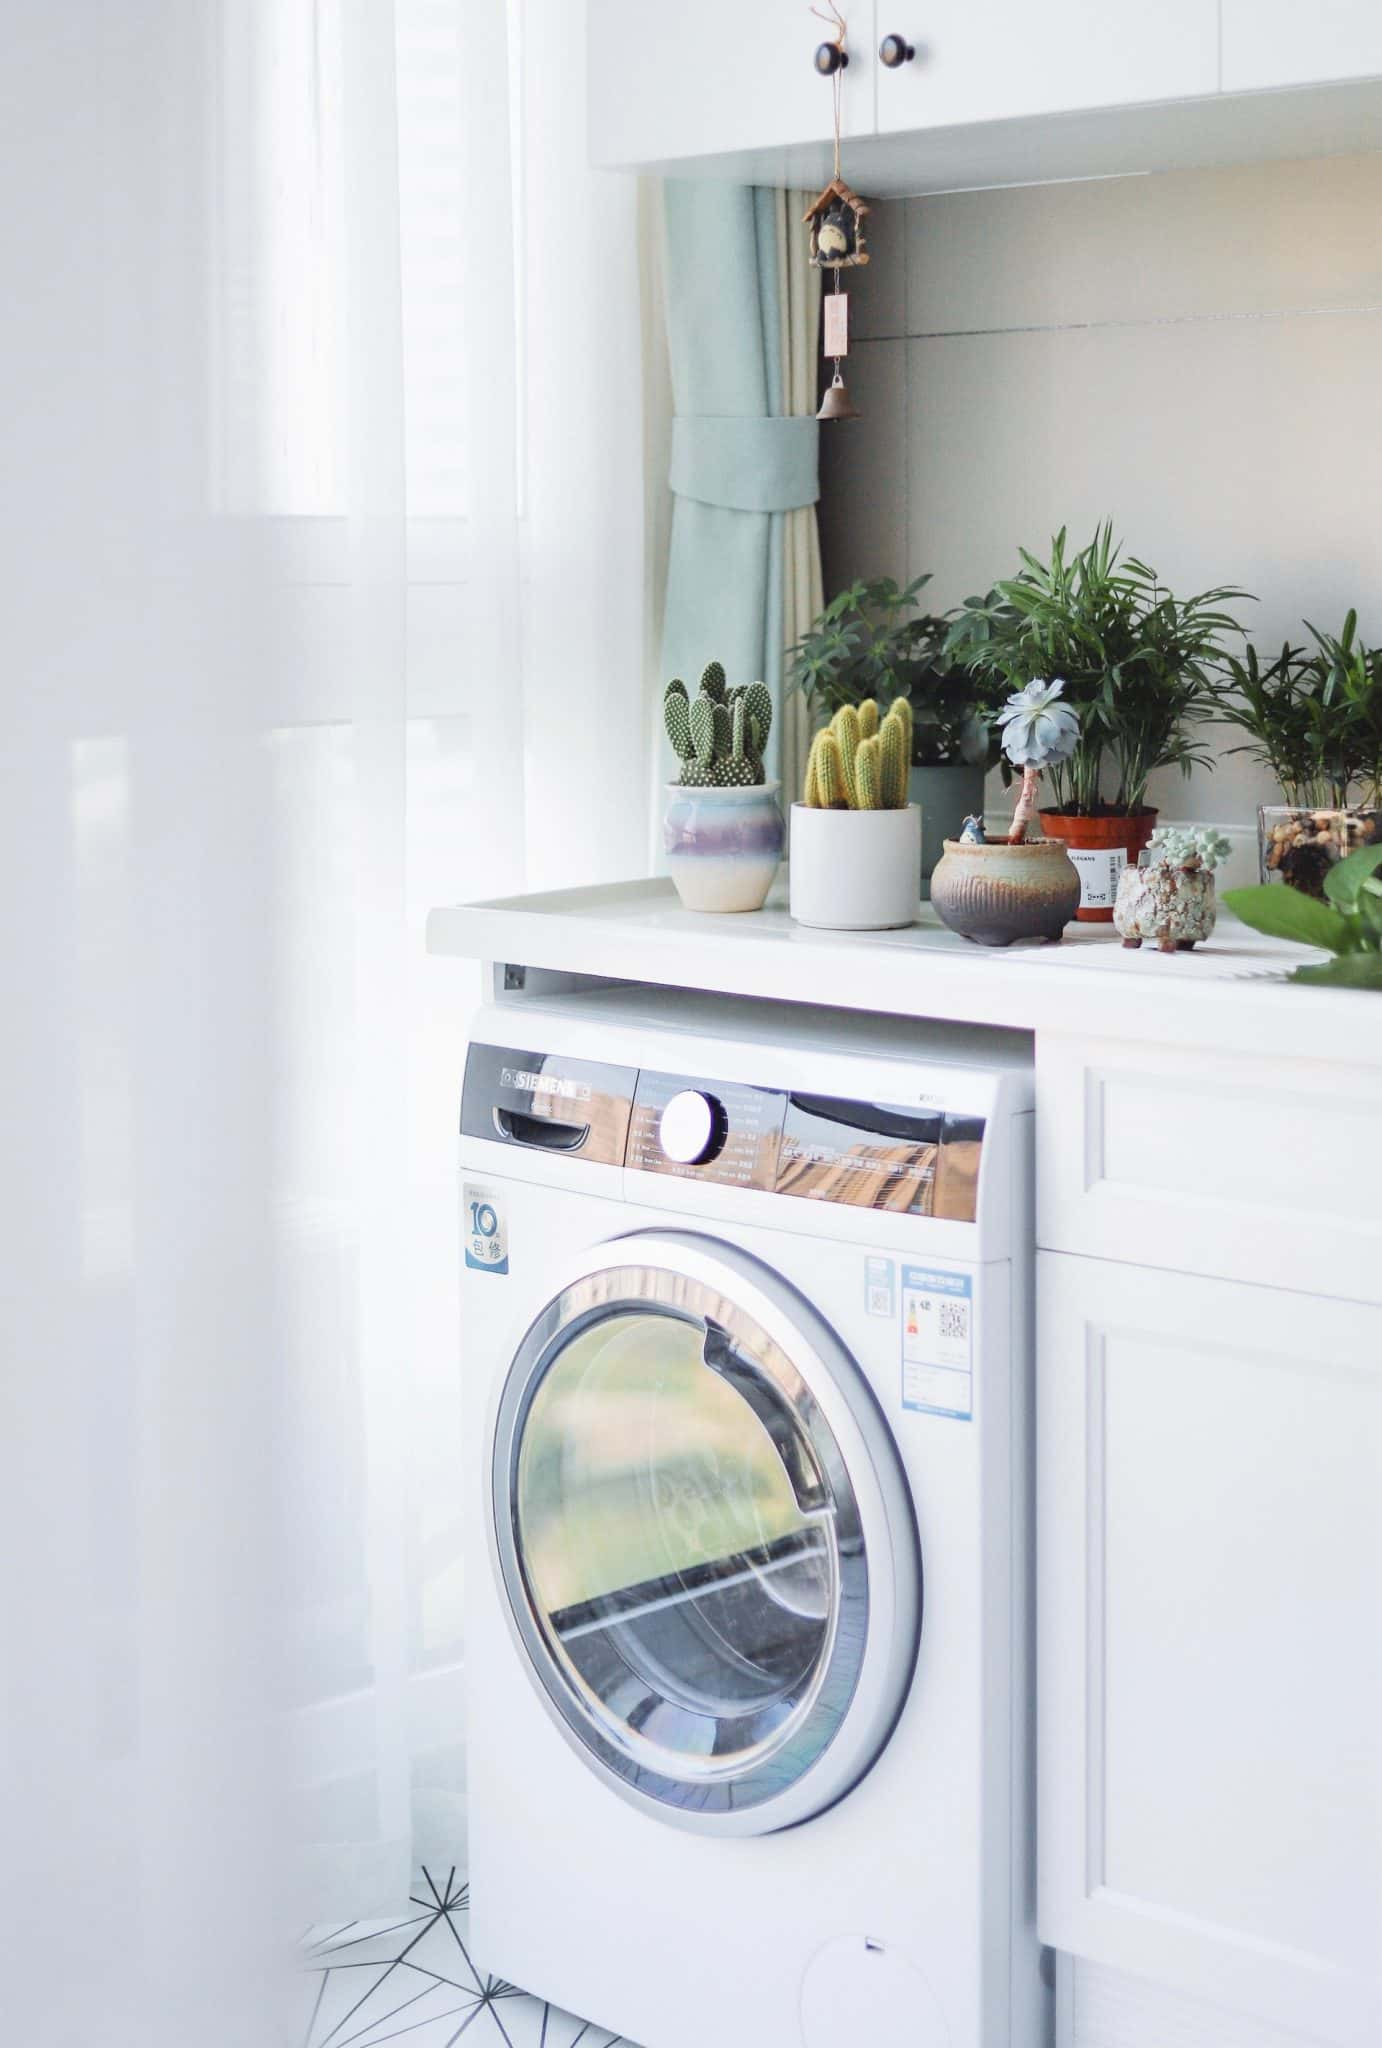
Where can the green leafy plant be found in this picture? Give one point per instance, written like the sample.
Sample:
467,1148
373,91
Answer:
1348,923
873,640
1313,718
718,736
1137,663
859,762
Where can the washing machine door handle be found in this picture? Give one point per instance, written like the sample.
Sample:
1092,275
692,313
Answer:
804,1476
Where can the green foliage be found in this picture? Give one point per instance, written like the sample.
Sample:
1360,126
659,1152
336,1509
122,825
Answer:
1136,661
1314,719
1349,925
872,641
859,762
718,736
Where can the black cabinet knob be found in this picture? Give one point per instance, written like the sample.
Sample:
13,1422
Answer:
895,51
830,58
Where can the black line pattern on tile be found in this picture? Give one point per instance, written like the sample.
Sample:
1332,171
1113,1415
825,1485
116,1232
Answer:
425,2006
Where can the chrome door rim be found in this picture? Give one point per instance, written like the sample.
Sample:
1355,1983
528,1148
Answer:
837,1730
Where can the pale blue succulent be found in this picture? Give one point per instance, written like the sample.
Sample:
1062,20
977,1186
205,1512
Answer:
1037,728
1188,846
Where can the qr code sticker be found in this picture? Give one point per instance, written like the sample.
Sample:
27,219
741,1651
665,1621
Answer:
955,1321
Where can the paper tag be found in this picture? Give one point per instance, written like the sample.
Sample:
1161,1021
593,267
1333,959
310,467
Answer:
938,1341
836,323
486,1231
1099,868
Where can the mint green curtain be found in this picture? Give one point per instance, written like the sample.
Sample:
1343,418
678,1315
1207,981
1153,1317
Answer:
737,465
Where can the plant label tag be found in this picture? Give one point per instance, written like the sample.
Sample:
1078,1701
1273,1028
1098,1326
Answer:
837,323
938,1342
486,1232
1099,868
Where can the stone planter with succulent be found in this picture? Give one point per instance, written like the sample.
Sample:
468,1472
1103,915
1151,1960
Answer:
856,840
1138,666
1169,900
1015,888
722,828
874,641
1314,718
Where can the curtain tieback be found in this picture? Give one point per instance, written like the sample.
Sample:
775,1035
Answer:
747,465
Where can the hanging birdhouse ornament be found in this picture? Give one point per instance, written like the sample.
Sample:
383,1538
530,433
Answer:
836,224
836,221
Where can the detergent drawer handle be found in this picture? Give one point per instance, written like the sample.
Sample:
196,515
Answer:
539,1131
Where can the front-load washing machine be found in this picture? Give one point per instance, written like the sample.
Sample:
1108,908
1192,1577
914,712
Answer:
747,1370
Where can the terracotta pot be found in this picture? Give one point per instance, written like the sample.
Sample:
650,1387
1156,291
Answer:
1101,848
997,893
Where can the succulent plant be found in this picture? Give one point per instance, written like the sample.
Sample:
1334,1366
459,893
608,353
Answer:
1038,732
859,762
719,735
1176,846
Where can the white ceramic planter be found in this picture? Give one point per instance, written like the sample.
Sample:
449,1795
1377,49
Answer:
855,871
723,844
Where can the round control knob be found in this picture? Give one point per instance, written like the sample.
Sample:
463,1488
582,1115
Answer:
692,1128
830,58
896,51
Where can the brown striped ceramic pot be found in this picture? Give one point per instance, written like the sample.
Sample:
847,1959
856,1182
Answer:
998,893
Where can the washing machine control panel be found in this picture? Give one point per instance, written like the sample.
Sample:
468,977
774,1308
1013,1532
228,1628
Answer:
705,1130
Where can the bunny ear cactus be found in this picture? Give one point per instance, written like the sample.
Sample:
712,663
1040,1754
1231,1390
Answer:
857,769
719,736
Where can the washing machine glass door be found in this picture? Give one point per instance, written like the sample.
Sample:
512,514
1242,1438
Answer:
699,1563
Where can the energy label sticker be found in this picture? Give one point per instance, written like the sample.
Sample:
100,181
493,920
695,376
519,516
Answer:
938,1341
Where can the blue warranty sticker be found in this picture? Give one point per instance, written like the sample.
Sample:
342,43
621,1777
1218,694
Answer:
486,1232
938,1341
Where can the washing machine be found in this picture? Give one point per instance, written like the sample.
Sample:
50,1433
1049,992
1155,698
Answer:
747,1369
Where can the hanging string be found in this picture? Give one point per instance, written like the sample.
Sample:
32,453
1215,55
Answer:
836,21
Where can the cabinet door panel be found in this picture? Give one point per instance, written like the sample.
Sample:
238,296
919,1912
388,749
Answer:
1267,42
994,63
669,81
1210,1582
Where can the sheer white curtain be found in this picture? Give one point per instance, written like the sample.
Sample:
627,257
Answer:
321,602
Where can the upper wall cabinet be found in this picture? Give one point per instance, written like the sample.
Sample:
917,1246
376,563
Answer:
1009,59
693,78
1279,42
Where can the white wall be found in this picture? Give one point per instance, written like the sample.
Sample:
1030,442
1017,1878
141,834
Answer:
1197,355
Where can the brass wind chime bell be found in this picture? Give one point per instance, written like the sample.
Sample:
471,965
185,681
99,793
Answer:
836,221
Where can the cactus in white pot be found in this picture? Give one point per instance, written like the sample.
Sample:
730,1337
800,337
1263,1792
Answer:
856,841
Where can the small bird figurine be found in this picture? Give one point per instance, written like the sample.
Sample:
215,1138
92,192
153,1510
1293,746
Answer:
972,832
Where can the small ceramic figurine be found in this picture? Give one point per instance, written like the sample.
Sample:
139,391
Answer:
1171,899
972,832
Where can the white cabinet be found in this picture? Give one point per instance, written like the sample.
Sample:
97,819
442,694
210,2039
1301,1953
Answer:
996,62
1210,1655
1280,42
709,77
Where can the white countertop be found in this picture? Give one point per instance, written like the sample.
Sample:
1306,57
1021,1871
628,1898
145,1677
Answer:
1230,993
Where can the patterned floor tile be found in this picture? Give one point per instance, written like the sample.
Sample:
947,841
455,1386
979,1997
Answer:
411,1981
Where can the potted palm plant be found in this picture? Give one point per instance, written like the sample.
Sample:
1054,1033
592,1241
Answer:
875,641
1015,888
1314,718
856,840
1138,665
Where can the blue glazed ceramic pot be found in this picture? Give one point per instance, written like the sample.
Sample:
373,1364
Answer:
723,845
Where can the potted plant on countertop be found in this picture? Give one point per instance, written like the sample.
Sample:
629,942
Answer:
1138,665
722,828
1017,888
874,641
856,840
1315,719
1346,922
1170,899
